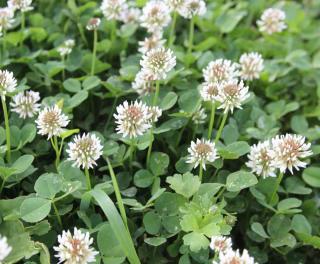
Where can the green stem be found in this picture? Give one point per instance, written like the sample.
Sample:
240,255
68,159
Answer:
2,186
276,187
213,110
111,112
3,43
191,33
6,121
63,69
149,148
200,171
156,95
57,150
113,31
225,115
132,147
23,23
118,194
172,29
86,172
95,39
57,213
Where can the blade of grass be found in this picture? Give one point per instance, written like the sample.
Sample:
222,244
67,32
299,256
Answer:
117,225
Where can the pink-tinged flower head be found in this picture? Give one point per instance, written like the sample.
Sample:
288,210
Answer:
272,21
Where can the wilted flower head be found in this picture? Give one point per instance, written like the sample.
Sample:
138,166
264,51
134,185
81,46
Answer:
6,18
85,150
112,9
234,257
132,119
199,116
191,8
155,113
22,5
158,62
66,47
201,152
5,249
51,121
155,41
287,150
209,91
131,15
221,243
93,23
26,104
272,21
231,95
75,249
175,5
251,65
220,70
143,83
155,16
8,83
260,160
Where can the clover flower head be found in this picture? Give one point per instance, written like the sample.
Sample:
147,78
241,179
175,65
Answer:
155,113
51,121
220,70
112,9
251,65
158,62
201,152
143,82
155,41
93,23
75,248
232,94
131,15
260,160
272,21
221,243
234,257
22,5
209,91
85,150
191,8
6,18
66,47
155,16
132,119
288,150
5,249
199,116
25,104
8,83
175,5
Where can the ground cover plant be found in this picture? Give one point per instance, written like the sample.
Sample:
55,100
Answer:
174,131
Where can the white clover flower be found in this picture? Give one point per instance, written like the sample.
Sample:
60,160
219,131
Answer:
143,82
132,119
51,121
199,116
231,95
158,62
221,243
66,47
112,9
5,249
155,16
26,104
175,5
22,5
272,21
209,91
155,113
260,160
8,83
287,150
93,23
155,41
131,15
201,152
6,18
191,8
76,248
251,65
85,150
234,257
220,70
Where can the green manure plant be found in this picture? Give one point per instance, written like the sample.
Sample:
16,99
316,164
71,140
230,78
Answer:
159,131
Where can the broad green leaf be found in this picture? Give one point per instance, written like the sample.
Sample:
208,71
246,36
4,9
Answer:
300,224
186,184
72,85
152,222
311,176
196,241
48,185
285,240
143,178
22,163
240,180
278,225
68,133
288,204
309,240
159,162
34,209
91,82
258,228
155,241
168,101
234,150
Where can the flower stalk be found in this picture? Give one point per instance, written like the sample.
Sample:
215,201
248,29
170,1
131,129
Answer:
94,52
7,126
223,121
213,110
276,187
